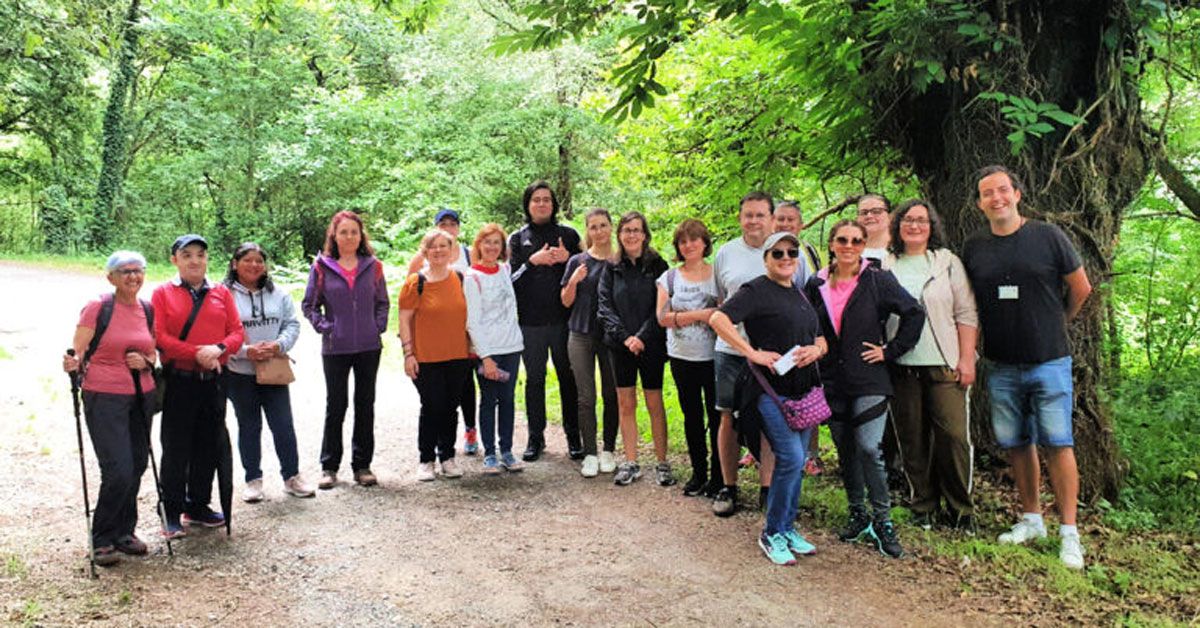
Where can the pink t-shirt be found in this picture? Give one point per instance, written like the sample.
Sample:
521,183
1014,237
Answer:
107,373
838,297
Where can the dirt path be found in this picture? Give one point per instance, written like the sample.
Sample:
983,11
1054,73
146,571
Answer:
542,547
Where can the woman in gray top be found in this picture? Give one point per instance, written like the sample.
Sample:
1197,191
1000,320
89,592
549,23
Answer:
687,297
271,325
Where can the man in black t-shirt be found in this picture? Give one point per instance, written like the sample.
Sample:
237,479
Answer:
538,253
1018,269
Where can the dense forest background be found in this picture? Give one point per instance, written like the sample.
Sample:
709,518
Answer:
125,124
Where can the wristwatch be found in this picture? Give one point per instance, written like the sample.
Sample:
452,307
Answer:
221,346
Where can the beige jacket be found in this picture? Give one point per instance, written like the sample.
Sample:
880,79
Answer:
947,299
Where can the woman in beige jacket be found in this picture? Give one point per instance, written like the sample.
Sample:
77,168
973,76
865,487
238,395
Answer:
931,381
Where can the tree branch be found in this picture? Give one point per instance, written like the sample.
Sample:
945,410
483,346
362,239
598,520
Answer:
846,202
1178,183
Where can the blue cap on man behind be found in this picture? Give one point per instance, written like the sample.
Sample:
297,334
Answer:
185,240
446,212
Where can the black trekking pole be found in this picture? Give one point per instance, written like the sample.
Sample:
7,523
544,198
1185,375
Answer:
87,503
140,399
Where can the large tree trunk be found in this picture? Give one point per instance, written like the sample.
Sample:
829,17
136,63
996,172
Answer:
112,159
1080,179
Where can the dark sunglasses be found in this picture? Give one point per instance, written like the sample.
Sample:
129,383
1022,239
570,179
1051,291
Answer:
779,253
843,240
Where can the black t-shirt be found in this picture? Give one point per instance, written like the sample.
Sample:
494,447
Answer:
1018,283
582,319
537,287
776,319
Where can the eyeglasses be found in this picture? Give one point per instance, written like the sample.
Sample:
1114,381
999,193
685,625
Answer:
130,272
779,253
871,211
628,231
844,241
914,222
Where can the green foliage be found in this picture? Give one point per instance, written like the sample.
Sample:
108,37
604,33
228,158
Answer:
1028,118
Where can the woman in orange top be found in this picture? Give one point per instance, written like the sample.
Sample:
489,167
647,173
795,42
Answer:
433,332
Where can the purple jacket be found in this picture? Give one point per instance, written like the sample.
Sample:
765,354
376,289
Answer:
349,321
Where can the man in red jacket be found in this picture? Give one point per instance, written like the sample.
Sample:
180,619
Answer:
197,328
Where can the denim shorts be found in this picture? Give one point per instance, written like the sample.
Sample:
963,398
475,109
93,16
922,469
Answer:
728,369
1031,403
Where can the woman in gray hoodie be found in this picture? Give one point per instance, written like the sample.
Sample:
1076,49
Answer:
271,325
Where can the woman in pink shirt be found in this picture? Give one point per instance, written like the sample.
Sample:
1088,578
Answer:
119,432
854,299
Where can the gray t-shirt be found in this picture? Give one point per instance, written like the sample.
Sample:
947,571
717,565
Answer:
736,263
694,342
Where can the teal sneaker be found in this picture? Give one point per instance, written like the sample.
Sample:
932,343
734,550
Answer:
776,549
798,544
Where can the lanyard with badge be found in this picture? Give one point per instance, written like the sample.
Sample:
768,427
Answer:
1008,290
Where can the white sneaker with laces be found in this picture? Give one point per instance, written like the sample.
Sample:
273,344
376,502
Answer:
590,467
1023,532
425,472
252,493
297,487
1071,553
608,462
450,469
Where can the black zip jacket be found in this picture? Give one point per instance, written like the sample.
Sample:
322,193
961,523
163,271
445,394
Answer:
878,294
627,296
538,288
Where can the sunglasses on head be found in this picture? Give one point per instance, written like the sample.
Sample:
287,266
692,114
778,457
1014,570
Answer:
843,240
779,253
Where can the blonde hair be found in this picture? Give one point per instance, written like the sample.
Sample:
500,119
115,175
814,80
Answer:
489,229
432,235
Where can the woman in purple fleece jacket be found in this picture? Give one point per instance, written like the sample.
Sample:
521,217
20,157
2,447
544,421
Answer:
347,302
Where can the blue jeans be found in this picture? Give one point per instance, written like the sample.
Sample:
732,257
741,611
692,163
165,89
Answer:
497,405
859,443
250,401
791,448
1031,403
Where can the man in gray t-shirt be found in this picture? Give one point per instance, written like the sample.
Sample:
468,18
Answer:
737,262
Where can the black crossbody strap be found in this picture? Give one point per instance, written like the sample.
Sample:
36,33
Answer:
187,326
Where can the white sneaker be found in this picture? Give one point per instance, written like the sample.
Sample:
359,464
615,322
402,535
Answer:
608,462
450,469
1071,553
1023,532
590,467
297,487
252,493
425,472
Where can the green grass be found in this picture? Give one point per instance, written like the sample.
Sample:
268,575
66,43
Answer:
14,567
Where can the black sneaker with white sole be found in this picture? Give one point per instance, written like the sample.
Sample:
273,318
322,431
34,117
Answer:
725,503
858,525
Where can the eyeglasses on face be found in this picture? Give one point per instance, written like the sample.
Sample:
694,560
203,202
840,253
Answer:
130,272
914,222
844,241
871,211
779,253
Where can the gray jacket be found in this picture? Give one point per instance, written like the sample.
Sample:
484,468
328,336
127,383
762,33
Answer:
266,315
947,299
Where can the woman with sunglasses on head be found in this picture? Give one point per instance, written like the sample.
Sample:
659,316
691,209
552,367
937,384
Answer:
779,321
585,344
271,325
853,299
636,342
931,380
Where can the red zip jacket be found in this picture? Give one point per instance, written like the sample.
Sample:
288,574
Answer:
217,322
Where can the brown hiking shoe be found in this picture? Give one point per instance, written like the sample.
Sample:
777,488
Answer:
328,480
105,556
364,477
132,545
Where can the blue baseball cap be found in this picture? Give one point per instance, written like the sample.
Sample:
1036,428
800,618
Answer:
186,240
446,212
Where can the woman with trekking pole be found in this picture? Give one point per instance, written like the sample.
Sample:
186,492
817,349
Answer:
113,337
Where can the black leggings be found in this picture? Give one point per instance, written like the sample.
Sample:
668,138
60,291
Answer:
468,401
697,396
